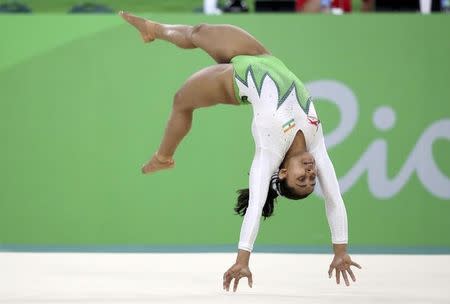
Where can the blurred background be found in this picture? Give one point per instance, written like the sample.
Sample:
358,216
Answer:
218,6
83,103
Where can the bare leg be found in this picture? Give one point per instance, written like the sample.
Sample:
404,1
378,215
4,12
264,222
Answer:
221,42
208,87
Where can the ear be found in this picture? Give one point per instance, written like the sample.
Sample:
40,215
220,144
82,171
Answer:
282,174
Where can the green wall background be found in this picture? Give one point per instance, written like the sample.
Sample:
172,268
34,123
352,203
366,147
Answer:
83,103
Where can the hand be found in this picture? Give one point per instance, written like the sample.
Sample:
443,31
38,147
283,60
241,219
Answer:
342,263
236,272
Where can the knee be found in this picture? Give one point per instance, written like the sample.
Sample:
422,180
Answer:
179,102
198,29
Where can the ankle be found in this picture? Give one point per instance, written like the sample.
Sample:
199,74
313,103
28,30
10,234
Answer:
158,30
163,158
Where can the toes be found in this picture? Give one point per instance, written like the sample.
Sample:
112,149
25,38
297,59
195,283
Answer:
127,16
151,166
146,168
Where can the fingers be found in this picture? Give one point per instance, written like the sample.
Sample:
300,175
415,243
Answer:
356,265
237,277
350,272
227,277
344,275
224,281
230,275
343,268
250,280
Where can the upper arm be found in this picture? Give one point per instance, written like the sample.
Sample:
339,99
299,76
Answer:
326,173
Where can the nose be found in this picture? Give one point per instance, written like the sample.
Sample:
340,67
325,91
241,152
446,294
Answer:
311,172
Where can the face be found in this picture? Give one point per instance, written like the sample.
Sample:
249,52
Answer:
300,173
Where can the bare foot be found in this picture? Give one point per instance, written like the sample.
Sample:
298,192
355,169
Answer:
157,163
145,27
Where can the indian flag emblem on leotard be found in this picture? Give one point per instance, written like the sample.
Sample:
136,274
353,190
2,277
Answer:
289,125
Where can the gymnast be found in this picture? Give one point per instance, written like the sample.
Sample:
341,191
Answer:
290,152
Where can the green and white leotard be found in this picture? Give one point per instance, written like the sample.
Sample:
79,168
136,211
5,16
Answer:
282,106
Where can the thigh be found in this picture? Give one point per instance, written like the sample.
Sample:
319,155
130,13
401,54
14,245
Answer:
207,87
223,42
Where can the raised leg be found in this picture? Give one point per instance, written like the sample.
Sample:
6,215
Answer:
208,87
221,42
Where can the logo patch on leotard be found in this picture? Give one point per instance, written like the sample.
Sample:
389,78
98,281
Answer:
314,121
289,125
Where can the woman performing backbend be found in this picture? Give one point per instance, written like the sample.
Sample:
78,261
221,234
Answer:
290,150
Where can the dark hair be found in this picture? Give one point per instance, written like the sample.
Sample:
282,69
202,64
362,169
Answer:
284,189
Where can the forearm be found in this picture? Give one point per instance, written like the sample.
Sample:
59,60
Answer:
264,164
334,204
243,257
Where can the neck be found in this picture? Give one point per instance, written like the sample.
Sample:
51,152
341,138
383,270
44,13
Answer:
298,146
